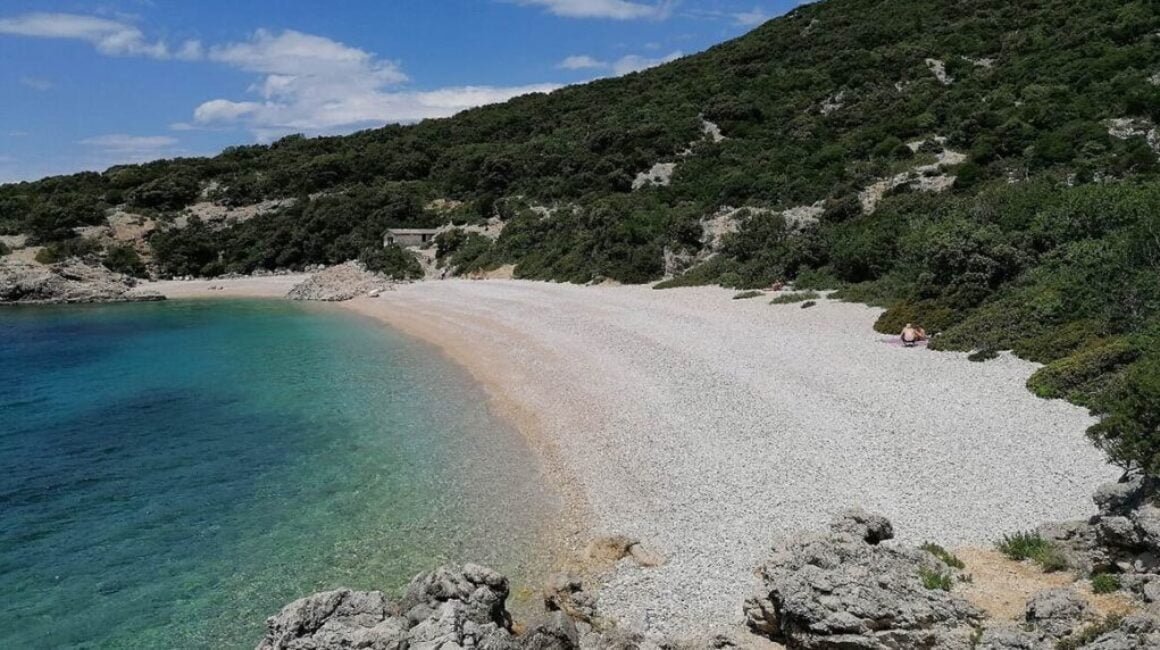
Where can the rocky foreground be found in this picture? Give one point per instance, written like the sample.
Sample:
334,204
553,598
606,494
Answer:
844,589
70,281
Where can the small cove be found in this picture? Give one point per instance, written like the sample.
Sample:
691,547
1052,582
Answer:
173,473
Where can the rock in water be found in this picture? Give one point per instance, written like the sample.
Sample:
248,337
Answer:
71,281
339,283
843,590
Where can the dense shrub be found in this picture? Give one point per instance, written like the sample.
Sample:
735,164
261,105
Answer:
391,261
1075,375
795,297
64,249
124,259
171,192
1129,433
746,295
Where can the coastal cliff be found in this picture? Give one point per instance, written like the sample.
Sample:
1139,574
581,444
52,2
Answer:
67,282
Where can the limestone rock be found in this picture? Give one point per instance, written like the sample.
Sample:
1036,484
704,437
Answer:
340,283
1136,632
565,593
555,632
335,619
1009,637
1057,612
870,528
483,593
843,590
71,281
1124,536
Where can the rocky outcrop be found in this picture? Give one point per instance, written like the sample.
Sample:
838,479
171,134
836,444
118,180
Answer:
449,608
1058,612
1138,631
71,281
1124,537
339,283
456,608
844,590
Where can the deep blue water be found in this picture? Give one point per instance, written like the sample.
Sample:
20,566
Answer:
173,473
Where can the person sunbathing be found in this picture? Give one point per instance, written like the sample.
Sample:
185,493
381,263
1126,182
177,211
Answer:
911,335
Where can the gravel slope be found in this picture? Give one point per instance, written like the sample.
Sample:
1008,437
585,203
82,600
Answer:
707,426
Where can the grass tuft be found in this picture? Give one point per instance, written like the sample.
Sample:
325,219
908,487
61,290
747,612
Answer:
1031,546
1105,583
809,303
948,558
932,579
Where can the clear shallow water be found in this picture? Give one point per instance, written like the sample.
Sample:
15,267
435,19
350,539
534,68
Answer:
173,473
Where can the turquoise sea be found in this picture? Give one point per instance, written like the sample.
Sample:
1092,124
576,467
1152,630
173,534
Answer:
173,473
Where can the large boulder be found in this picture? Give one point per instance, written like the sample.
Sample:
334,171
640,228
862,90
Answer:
337,619
71,281
1125,534
339,283
845,591
446,609
482,592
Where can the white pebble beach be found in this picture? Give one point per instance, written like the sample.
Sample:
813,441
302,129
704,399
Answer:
707,427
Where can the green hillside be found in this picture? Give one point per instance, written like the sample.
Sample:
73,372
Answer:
1036,120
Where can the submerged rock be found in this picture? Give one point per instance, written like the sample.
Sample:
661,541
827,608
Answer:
339,283
71,281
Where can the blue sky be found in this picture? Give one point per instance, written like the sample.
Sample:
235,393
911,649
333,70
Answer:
88,84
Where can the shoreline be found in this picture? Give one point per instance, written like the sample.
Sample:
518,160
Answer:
563,537
491,373
705,427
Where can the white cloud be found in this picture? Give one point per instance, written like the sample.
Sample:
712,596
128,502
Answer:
752,18
581,62
635,63
109,37
314,84
36,83
614,9
621,66
121,143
